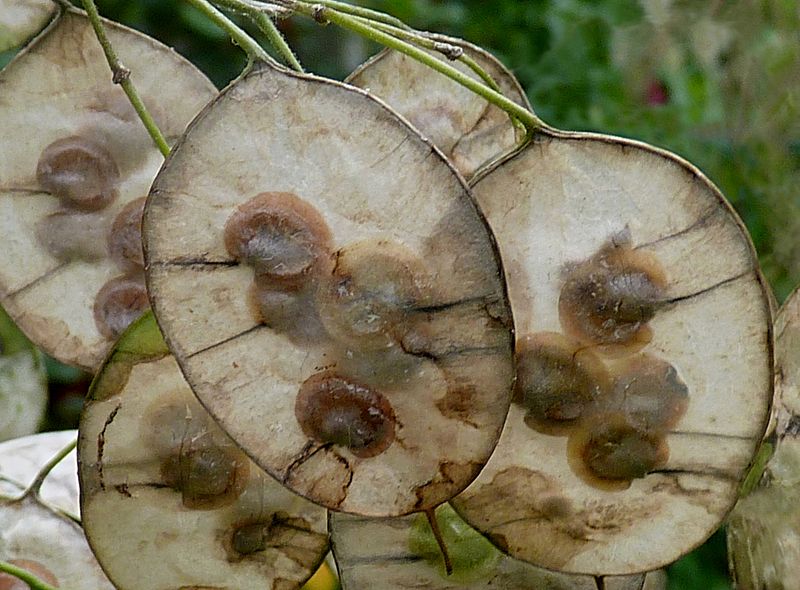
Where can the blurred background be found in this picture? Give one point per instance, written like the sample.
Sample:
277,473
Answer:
716,81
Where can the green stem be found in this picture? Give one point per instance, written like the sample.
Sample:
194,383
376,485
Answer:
320,13
122,76
435,45
36,484
242,39
31,580
266,26
371,15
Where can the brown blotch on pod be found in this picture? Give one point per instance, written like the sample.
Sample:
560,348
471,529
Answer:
120,301
281,236
80,171
558,381
125,237
607,451
334,409
609,299
374,287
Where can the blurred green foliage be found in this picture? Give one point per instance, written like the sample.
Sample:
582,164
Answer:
717,81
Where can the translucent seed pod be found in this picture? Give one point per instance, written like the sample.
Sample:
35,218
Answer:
164,490
85,157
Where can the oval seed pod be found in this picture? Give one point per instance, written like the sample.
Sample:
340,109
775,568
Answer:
762,530
637,242
23,383
164,490
403,553
409,317
468,129
84,157
39,538
21,19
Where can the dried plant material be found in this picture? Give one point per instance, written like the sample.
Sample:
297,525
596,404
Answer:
334,298
763,546
468,129
164,489
36,537
21,19
631,252
23,383
399,553
21,459
84,159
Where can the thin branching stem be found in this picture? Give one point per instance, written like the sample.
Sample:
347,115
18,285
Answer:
242,39
36,484
31,580
122,76
451,51
266,25
320,13
372,15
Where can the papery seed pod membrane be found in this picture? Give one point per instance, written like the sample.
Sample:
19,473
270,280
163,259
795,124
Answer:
468,129
21,19
34,536
22,458
23,383
343,326
66,192
164,489
661,357
762,530
404,553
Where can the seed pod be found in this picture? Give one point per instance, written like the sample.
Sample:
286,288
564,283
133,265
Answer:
164,490
468,130
762,529
23,383
632,251
407,313
21,19
35,536
85,156
404,553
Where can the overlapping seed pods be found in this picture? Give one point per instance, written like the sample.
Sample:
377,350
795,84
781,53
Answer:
762,530
35,535
332,294
21,20
164,489
469,130
23,383
403,552
77,162
644,357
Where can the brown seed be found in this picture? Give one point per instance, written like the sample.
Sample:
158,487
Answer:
208,475
120,301
74,235
281,236
79,171
291,312
374,287
558,380
9,582
650,393
125,237
609,299
334,409
608,452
